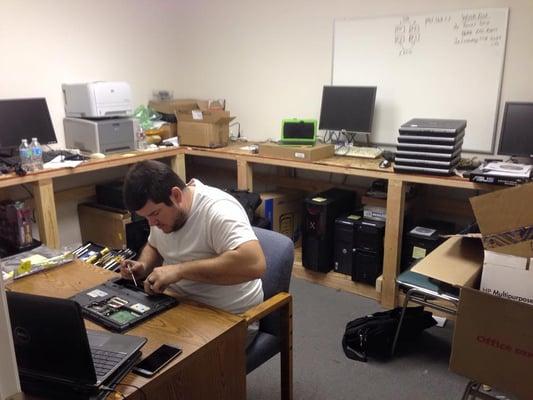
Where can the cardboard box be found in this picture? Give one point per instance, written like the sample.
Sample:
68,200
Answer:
375,213
298,153
284,211
505,219
493,342
457,262
507,276
173,106
203,128
170,107
103,225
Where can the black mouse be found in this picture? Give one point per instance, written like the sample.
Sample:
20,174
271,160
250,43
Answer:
19,170
384,163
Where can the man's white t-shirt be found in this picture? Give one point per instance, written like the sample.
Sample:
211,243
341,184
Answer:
216,223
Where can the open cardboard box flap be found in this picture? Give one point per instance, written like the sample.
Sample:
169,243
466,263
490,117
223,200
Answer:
505,219
457,261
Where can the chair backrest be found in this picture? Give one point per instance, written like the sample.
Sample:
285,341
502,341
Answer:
279,254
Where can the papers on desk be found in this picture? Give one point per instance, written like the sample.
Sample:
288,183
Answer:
508,169
59,162
33,261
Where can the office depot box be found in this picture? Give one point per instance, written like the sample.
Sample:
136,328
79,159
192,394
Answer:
493,342
283,209
208,128
298,153
457,262
505,219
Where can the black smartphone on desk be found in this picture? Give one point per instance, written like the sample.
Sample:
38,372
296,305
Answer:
157,360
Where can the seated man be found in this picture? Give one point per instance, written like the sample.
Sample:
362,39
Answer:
201,244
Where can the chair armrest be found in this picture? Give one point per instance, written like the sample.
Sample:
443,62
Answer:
274,303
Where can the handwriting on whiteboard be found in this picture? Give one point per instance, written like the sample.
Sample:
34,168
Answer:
466,28
407,35
476,28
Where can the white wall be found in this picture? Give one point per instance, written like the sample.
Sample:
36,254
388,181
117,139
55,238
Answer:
46,43
269,59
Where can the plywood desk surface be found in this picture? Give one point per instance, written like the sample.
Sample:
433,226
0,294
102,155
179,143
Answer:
212,365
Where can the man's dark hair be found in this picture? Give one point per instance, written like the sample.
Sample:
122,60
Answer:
149,180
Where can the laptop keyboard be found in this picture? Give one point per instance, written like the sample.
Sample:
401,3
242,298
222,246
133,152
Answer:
105,361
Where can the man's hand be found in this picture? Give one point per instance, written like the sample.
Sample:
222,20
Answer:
129,267
160,278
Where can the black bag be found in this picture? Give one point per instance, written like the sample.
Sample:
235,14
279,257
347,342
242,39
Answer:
249,200
373,334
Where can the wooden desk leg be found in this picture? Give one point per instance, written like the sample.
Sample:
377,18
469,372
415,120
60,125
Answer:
45,208
286,352
244,175
393,242
177,164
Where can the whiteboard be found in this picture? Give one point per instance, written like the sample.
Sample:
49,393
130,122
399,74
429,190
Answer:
438,65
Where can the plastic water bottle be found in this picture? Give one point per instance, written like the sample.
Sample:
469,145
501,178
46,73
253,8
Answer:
25,156
141,139
36,154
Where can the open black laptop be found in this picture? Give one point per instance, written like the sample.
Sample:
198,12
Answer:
52,345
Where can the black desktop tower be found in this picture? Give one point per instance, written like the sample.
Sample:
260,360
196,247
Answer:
319,216
368,266
368,263
418,243
370,235
344,248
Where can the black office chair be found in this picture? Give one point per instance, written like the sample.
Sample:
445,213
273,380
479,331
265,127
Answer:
275,312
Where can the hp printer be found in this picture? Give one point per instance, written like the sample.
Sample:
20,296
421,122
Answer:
97,99
97,117
100,136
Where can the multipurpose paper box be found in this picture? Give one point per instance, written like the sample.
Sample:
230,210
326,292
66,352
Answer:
208,128
505,219
457,262
493,342
296,152
283,209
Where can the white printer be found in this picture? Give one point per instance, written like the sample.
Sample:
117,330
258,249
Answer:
97,99
100,136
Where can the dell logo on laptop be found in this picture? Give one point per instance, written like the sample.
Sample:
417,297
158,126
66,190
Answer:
21,335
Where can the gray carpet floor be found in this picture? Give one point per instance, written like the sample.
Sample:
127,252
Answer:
322,371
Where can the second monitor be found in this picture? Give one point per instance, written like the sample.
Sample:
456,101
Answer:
347,108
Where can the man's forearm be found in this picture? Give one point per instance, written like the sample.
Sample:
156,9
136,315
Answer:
150,257
232,267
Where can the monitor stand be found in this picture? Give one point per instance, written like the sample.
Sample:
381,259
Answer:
356,142
521,160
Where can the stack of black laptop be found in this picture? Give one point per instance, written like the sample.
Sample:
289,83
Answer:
431,146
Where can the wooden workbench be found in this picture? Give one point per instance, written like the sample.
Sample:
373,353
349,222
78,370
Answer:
347,166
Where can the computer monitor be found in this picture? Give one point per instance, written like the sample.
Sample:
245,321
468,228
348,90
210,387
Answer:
516,136
25,119
347,108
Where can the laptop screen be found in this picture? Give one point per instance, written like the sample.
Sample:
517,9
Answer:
50,339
